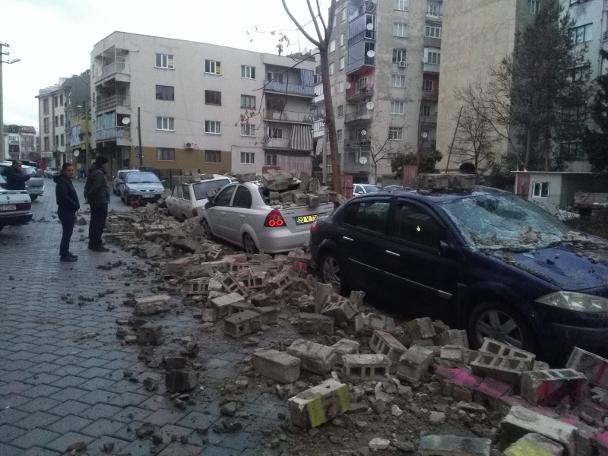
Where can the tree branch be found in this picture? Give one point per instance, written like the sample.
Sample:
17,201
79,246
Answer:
321,17
299,26
313,16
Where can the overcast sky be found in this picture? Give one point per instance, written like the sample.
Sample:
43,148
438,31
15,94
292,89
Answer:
54,38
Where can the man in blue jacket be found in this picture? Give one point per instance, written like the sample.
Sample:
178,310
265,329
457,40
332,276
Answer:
15,177
97,194
68,205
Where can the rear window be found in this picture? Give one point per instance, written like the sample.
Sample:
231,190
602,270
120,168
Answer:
142,178
202,189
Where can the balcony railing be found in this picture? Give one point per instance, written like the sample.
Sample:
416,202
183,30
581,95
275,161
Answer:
288,116
113,133
358,115
111,102
119,66
433,95
356,93
431,67
282,143
352,160
290,89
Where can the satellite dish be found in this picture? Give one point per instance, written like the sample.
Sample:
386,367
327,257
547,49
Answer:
363,132
369,105
76,153
363,160
371,53
369,26
126,120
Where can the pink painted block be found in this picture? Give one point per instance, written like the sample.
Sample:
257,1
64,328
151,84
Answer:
494,388
465,378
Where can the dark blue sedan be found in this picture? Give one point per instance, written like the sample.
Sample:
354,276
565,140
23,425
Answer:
484,260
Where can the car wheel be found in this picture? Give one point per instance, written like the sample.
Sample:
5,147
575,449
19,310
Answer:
333,273
499,321
33,197
249,244
206,229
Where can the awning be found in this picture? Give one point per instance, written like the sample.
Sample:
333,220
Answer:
301,137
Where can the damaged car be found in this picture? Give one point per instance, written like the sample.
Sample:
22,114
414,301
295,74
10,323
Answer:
485,260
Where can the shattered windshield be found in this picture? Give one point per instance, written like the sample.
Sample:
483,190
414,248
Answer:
142,178
202,189
504,222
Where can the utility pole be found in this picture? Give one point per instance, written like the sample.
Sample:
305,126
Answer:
141,152
2,54
447,165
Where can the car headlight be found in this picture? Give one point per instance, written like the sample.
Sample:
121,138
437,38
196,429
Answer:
579,302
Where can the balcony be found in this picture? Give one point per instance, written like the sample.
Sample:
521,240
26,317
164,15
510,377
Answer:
113,133
431,68
288,117
352,160
356,94
432,95
360,115
289,89
112,102
118,67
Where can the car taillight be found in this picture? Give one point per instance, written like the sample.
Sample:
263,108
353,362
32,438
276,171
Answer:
274,219
313,227
24,206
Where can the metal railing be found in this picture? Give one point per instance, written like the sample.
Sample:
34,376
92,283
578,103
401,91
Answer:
358,115
288,116
113,133
431,67
352,159
119,66
111,102
291,89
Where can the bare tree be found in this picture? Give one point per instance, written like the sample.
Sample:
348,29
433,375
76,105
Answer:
475,138
323,30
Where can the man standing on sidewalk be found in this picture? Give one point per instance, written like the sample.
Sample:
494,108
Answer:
97,194
68,205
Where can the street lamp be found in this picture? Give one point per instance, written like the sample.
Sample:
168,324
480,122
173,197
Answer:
8,62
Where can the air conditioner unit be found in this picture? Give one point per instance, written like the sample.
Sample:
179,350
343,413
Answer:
188,145
402,64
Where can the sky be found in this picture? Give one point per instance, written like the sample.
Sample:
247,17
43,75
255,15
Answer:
54,38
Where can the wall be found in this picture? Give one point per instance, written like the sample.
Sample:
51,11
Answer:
188,160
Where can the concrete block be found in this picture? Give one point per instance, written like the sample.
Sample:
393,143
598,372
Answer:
453,445
414,363
590,412
490,392
232,285
458,337
151,305
346,347
533,445
420,328
242,323
269,315
321,293
222,304
385,344
254,281
150,334
599,395
366,366
301,199
316,358
501,349
179,265
441,333
312,323
261,300
357,298
208,268
593,366
339,308
279,366
197,287
282,280
521,421
366,323
180,381
174,362
551,386
318,405
208,315
501,368
452,353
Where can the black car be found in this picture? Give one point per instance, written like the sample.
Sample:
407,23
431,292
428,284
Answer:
483,260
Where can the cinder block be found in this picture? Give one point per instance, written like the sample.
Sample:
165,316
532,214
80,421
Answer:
151,305
316,358
341,309
346,347
357,298
594,413
232,285
365,323
453,445
261,300
242,323
223,303
319,404
254,281
279,366
501,368
322,292
521,421
490,392
240,306
500,349
197,287
269,315
452,354
366,366
551,386
312,323
385,344
180,381
209,315
414,363
282,280
420,328
534,444
593,366
149,334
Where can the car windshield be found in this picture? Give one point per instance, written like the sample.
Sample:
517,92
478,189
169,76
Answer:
202,189
504,222
142,178
31,171
371,188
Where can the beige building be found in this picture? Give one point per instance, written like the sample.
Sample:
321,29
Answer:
203,107
52,123
385,58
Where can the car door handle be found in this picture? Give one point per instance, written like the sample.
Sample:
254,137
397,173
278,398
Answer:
391,253
346,238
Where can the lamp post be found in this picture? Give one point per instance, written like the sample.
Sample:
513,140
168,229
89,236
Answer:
87,118
9,62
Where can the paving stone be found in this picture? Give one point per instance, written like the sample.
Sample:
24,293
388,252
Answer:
102,427
9,450
196,420
62,443
35,437
70,408
9,432
68,423
97,411
37,419
69,393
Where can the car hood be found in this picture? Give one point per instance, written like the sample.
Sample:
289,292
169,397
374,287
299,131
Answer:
569,266
142,186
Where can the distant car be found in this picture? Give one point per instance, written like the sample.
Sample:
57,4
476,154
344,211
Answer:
395,188
241,215
188,200
145,186
50,172
364,189
119,180
15,206
35,185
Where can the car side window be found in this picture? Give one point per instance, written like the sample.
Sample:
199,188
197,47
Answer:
177,192
242,198
185,192
413,223
370,215
224,197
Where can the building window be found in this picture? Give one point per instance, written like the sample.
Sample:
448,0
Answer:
247,72
56,143
56,121
397,107
574,114
339,135
247,158
395,133
341,63
62,138
341,111
165,154
332,68
432,30
399,55
432,56
247,102
579,73
55,101
433,8
426,111
342,40
213,127
61,100
362,83
247,129
165,93
581,33
572,151
341,87
165,61
213,97
401,5
165,123
534,6
398,80
332,45
45,106
213,67
275,76
47,147
344,14
214,156
45,122
370,26
427,85
275,133
541,189
400,29
270,159
61,120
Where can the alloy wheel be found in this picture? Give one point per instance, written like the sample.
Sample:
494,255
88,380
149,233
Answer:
331,271
499,325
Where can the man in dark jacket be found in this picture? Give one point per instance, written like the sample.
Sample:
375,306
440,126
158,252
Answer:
97,194
68,205
15,177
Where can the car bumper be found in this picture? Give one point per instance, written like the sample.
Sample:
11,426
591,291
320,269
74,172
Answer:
145,197
282,240
19,218
36,191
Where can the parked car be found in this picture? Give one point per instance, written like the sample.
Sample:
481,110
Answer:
119,180
241,215
50,172
486,261
141,184
364,189
15,206
35,185
395,188
188,200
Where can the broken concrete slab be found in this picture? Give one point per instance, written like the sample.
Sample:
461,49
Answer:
151,305
453,445
318,405
149,334
312,323
279,366
316,358
414,363
242,323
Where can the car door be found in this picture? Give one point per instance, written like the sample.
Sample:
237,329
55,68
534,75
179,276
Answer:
185,203
364,223
238,213
172,201
416,268
217,214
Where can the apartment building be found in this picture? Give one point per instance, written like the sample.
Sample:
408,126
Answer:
52,123
19,143
202,107
385,58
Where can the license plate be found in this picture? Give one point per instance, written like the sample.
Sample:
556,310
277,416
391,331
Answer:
148,196
306,219
7,207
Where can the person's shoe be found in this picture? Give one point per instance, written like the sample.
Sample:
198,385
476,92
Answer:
99,249
72,255
68,259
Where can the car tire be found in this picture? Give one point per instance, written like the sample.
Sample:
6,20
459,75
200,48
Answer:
332,272
33,197
249,244
207,229
501,322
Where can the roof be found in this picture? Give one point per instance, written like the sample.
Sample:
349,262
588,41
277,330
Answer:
437,197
